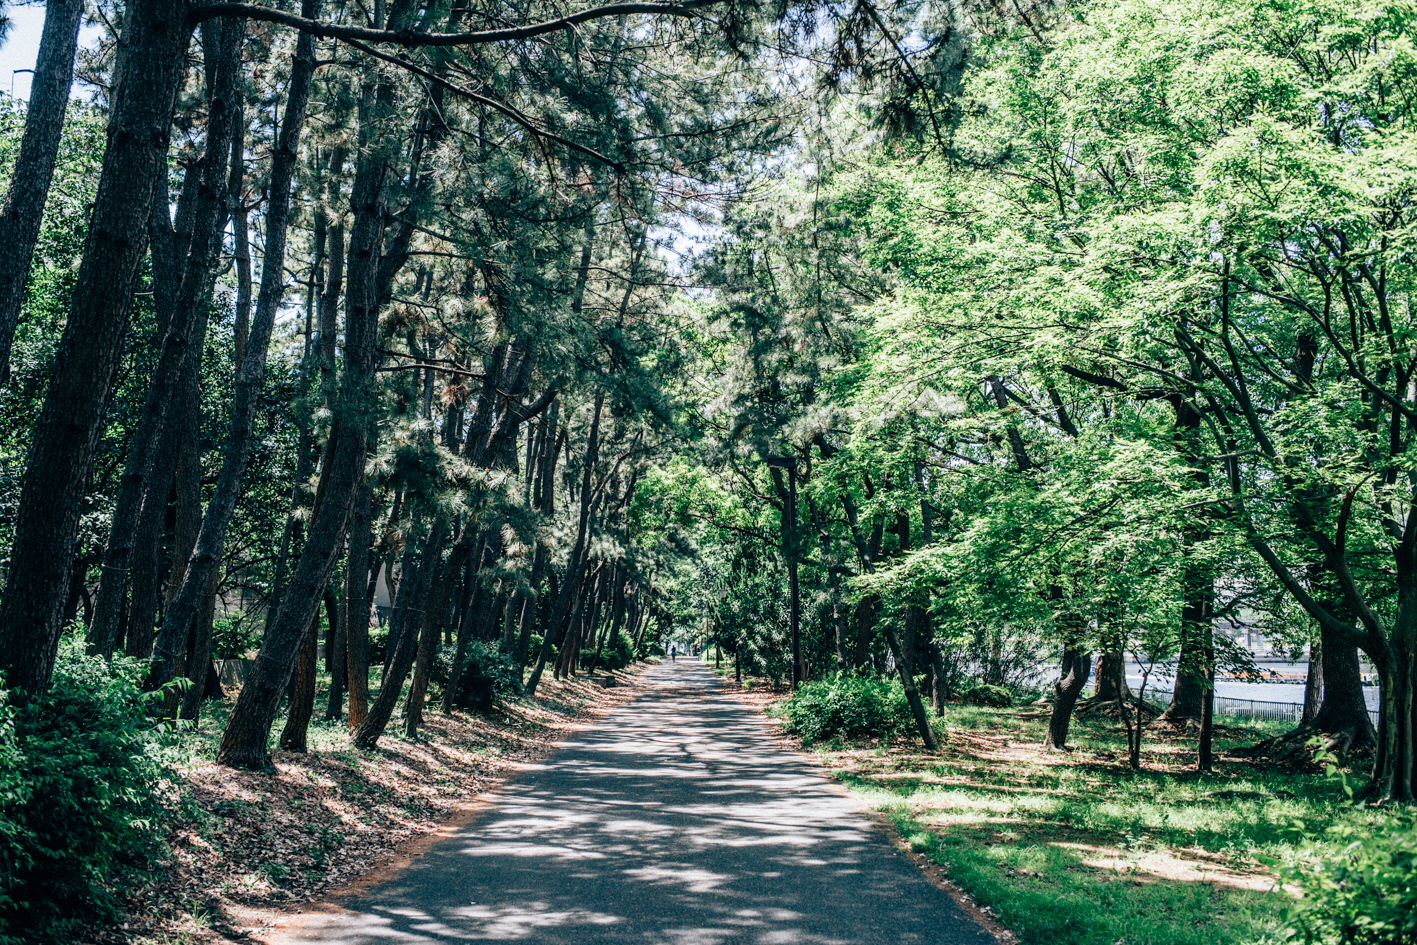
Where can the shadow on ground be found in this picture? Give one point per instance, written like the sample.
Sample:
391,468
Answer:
675,820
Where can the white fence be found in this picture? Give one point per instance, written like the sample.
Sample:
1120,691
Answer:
1279,711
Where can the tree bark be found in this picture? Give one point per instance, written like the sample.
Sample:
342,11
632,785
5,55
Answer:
151,58
410,617
250,378
186,324
356,606
336,656
1313,682
576,563
1111,678
34,165
1072,678
244,741
199,662
912,694
293,737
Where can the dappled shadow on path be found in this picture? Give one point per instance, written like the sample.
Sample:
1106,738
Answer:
676,820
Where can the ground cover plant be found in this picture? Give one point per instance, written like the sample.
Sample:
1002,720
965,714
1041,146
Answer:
1076,849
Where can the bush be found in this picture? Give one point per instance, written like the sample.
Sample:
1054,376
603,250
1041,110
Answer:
533,651
1366,893
847,707
489,676
619,654
994,697
78,796
234,635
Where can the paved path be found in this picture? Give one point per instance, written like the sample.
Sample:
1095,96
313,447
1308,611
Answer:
676,820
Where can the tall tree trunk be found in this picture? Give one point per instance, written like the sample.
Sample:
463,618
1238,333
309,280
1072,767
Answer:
356,605
912,694
240,243
410,615
211,540
151,58
186,323
1313,682
336,656
302,692
440,597
244,741
199,662
34,166
140,619
576,563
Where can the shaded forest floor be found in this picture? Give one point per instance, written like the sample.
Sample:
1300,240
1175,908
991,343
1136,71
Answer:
1078,849
240,845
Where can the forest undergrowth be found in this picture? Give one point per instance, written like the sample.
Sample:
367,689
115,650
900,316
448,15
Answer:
242,845
1076,849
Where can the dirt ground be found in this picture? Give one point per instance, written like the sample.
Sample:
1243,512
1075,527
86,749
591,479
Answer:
244,845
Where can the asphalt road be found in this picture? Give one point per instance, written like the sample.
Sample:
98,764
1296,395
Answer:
676,820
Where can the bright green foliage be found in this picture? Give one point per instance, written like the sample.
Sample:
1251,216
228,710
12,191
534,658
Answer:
997,697
1363,894
619,654
489,676
78,796
847,707
234,635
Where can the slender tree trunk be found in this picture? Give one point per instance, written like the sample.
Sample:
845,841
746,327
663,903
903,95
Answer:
199,663
211,540
336,656
244,741
240,242
912,694
410,616
185,322
576,562
34,166
1313,682
140,619
302,692
440,595
356,607
150,63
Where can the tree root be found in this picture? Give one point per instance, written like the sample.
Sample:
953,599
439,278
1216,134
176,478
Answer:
1345,741
1114,709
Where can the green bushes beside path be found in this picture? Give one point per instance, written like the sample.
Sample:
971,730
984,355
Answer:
79,794
846,707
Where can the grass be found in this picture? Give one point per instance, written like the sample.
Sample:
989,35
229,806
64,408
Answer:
1077,849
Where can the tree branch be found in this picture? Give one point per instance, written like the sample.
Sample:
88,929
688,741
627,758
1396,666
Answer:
409,39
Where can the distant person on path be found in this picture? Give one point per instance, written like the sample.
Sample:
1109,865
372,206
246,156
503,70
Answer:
673,653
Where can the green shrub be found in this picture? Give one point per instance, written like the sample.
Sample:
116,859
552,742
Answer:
78,796
994,697
533,651
234,635
619,654
1366,893
489,676
847,707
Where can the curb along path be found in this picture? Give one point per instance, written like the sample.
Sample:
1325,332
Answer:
675,820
